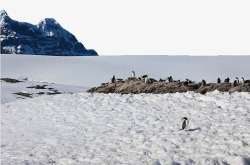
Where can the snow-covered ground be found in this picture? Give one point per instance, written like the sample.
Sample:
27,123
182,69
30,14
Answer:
82,128
127,129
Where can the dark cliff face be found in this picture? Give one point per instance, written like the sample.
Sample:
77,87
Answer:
45,38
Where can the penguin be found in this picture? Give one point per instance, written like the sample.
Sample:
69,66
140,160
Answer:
242,80
133,74
218,81
227,80
185,123
170,79
185,83
104,84
146,80
151,80
113,79
203,83
161,80
188,81
235,83
237,80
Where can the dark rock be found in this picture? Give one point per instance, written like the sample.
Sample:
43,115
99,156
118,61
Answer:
38,87
23,94
55,92
41,93
10,80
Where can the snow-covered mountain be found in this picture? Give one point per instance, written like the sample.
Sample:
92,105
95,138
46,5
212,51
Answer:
48,37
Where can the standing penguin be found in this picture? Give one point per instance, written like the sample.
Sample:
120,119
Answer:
146,80
235,83
242,80
203,83
113,79
133,74
227,80
185,123
218,81
170,79
237,80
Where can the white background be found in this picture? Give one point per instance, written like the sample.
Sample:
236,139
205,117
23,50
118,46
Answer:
143,27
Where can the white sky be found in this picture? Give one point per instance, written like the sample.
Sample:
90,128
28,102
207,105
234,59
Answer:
146,27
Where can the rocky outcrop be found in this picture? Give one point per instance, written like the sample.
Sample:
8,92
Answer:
135,86
45,38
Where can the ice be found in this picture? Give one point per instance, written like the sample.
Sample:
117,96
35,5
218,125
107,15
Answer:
92,71
87,128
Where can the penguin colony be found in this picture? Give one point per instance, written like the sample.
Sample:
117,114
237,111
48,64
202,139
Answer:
145,84
170,79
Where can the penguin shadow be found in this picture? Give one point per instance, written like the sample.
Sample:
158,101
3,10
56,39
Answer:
195,129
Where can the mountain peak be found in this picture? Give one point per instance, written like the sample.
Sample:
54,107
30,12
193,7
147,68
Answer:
3,13
49,25
3,17
48,21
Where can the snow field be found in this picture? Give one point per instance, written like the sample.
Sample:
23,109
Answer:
127,129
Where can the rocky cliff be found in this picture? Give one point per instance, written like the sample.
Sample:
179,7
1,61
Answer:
48,37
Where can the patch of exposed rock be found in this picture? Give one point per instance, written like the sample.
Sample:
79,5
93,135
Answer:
135,86
10,80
